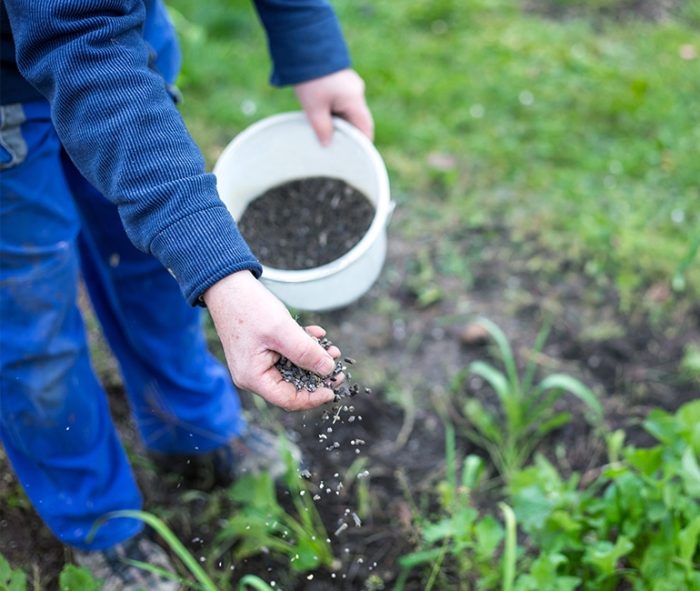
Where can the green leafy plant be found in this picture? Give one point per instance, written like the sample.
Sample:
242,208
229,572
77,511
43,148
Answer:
77,579
72,578
261,524
421,280
524,414
11,579
254,583
458,544
638,522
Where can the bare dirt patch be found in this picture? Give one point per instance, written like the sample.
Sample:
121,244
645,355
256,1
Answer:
411,338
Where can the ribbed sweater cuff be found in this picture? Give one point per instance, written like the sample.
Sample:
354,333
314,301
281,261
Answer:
203,248
308,52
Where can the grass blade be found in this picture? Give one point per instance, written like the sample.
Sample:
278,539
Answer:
170,538
451,455
506,353
510,548
495,378
162,572
575,387
254,582
541,339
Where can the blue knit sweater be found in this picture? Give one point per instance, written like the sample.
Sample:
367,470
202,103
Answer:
113,114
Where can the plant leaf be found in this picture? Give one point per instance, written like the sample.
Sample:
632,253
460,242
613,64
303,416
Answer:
483,420
255,582
11,580
552,423
575,387
496,379
74,578
504,349
472,472
421,557
604,555
510,549
488,533
688,541
690,472
170,538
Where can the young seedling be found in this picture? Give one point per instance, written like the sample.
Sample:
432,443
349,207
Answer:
511,433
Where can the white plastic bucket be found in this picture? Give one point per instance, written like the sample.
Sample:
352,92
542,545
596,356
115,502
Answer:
284,147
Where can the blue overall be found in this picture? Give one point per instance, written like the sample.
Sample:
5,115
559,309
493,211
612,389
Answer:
103,68
54,419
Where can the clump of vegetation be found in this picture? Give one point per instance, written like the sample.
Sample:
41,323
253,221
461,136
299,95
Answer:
459,546
261,525
72,578
525,412
637,523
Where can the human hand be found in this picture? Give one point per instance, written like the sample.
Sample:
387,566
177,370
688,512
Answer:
255,328
341,93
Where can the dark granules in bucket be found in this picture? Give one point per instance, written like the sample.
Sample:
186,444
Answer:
306,223
303,379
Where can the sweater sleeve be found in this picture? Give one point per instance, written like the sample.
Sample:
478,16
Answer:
304,39
118,124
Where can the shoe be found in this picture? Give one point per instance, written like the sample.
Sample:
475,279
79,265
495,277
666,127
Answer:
252,452
111,566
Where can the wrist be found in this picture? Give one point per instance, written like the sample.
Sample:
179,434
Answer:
229,286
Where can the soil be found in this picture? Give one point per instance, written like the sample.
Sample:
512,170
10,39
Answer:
306,223
409,348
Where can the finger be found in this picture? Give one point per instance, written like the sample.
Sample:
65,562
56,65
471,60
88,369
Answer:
338,379
276,391
315,331
319,332
360,116
303,350
322,124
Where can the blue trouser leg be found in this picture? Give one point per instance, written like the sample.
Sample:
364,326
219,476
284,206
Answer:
54,419
181,396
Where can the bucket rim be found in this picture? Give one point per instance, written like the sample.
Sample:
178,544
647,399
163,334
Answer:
384,206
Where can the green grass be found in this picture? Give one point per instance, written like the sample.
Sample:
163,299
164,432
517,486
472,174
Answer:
582,133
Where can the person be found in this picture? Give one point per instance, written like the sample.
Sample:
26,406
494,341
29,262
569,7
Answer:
100,178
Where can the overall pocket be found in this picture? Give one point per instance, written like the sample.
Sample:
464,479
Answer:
13,147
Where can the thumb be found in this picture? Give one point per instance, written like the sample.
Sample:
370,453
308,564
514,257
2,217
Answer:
303,350
322,124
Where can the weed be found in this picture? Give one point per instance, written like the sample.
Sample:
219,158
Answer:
204,581
460,545
11,580
690,364
525,413
636,525
261,524
421,281
638,522
72,578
